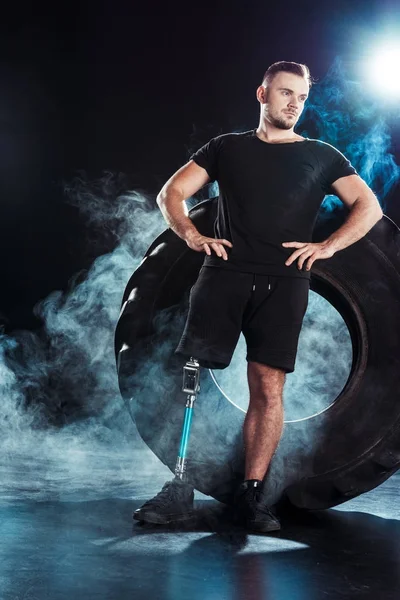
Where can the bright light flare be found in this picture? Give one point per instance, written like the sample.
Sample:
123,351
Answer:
383,70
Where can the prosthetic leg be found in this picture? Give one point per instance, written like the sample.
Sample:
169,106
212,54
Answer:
175,501
191,386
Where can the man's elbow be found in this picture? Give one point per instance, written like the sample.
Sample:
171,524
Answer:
376,206
169,194
161,197
372,205
378,212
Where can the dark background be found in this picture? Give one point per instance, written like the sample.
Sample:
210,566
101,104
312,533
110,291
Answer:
128,88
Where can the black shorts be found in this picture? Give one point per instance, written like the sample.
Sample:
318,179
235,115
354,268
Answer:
268,310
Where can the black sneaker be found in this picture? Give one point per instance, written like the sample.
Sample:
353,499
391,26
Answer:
251,512
173,504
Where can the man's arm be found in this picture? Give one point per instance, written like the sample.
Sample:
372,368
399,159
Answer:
171,201
364,213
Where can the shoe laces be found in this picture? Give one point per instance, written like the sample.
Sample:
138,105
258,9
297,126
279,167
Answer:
253,498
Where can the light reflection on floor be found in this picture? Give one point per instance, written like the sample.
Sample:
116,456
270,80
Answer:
66,532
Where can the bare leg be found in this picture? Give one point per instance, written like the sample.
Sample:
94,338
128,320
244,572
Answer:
263,424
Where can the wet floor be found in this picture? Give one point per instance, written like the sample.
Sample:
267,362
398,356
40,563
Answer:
64,537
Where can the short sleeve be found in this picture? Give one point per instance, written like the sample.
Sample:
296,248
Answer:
207,157
336,165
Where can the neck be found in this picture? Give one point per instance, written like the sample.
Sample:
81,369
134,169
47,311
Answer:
268,133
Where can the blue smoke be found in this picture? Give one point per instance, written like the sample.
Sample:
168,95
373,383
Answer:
340,113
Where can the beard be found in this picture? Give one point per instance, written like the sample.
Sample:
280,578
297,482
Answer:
281,123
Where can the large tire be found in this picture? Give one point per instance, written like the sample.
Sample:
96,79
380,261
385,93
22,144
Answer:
321,461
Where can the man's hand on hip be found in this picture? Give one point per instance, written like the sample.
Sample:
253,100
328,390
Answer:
201,243
308,252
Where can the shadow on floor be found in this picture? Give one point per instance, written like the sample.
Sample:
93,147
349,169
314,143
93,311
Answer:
323,554
59,550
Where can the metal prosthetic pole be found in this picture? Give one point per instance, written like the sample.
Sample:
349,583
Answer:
191,386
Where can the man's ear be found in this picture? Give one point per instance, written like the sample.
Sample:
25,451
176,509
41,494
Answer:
261,94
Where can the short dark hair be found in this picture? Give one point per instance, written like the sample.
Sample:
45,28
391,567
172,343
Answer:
288,67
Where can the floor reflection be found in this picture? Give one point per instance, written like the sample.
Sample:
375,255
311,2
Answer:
89,549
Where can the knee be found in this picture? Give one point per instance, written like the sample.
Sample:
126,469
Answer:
265,392
265,384
265,398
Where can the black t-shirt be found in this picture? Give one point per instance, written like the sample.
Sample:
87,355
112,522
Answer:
268,194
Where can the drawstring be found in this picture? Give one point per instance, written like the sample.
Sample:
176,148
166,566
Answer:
254,283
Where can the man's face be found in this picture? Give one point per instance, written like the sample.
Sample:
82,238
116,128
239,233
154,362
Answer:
282,101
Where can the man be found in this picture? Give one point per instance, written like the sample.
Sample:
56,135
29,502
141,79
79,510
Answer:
255,276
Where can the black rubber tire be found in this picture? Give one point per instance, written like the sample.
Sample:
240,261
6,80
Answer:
322,461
